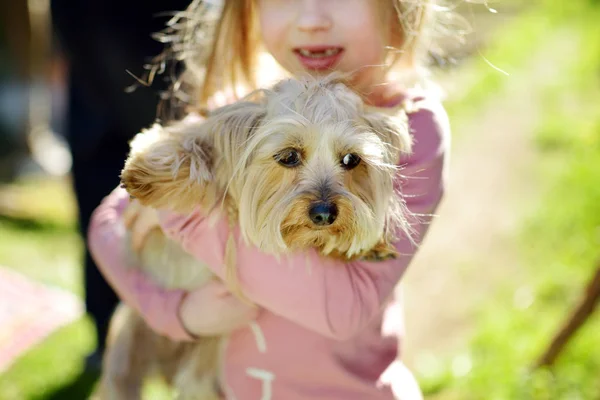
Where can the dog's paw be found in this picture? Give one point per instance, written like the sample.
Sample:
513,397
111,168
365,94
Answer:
381,252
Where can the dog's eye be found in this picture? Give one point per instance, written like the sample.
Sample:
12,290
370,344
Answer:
350,161
288,158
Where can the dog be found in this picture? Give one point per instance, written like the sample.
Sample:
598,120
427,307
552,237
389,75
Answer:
303,164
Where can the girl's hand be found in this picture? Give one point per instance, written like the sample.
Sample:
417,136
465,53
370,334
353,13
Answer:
213,310
161,308
140,221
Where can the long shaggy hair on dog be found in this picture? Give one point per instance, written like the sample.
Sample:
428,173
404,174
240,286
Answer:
304,164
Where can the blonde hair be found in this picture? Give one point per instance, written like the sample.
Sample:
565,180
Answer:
218,42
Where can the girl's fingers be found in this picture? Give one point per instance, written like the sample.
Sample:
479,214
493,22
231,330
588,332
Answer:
211,310
220,289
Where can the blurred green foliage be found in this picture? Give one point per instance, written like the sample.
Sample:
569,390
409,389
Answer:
560,247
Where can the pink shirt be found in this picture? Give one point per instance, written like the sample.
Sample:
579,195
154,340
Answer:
327,329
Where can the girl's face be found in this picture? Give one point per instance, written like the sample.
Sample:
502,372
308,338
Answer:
319,36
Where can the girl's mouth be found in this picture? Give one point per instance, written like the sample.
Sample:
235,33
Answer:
318,57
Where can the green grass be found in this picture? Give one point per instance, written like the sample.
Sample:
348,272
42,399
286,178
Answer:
40,240
485,73
48,255
54,369
560,250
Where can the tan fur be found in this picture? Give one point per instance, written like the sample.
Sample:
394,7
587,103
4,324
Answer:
135,352
230,161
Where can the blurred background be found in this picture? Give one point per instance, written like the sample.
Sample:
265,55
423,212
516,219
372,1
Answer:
500,300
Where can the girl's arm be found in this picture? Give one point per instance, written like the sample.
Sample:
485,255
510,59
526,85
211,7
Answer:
106,237
215,310
334,298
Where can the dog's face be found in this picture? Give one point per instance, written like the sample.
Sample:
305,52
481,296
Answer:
318,170
305,163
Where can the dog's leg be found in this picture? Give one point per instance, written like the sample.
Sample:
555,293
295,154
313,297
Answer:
197,376
381,252
127,359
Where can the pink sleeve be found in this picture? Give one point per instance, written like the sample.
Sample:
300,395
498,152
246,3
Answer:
159,307
333,298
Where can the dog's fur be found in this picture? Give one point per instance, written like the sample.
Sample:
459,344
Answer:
347,156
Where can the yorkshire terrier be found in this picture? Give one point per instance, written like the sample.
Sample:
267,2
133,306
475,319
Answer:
304,164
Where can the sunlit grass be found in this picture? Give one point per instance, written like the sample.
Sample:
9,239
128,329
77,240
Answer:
39,238
560,247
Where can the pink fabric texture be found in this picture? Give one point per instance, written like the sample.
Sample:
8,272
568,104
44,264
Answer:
327,329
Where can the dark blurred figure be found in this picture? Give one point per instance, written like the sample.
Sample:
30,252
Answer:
102,39
15,74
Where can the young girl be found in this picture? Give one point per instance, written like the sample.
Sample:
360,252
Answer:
322,329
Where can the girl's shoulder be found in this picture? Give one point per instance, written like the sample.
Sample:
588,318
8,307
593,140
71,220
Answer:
429,125
428,120
426,113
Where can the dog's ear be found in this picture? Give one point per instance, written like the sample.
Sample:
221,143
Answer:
391,125
232,127
169,166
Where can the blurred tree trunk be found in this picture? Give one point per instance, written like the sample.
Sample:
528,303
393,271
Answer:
14,20
576,320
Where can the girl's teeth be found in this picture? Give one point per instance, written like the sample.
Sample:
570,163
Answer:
318,54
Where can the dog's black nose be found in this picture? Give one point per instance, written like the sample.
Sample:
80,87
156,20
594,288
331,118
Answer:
323,213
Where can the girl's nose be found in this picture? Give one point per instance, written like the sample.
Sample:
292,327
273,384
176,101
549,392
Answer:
313,16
